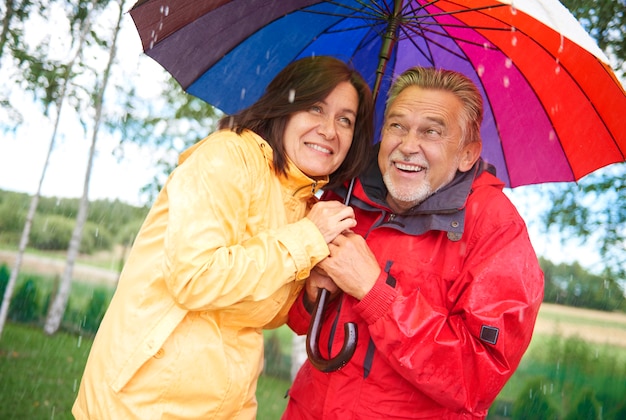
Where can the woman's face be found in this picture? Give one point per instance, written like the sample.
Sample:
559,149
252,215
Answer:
317,140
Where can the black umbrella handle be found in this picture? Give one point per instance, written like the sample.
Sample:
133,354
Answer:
313,335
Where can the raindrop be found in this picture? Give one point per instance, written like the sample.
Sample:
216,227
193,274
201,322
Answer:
557,69
513,10
231,122
506,81
267,54
561,44
167,11
151,44
258,70
243,93
480,70
80,341
160,25
292,95
514,41
552,137
508,63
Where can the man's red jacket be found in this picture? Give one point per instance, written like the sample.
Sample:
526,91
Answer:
449,318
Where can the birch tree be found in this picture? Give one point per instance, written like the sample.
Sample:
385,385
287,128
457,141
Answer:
60,300
65,78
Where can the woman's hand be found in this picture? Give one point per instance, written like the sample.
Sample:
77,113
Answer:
331,218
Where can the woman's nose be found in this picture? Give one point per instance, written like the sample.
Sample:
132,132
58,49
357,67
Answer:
327,128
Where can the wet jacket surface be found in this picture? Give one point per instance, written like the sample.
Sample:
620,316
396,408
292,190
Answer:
449,318
221,255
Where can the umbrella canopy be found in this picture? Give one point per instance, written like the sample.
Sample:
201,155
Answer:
553,106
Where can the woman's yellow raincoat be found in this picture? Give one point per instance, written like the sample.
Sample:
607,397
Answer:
222,254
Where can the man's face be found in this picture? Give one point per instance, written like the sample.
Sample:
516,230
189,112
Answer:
420,149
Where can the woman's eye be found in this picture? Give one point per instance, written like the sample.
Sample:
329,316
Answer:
316,108
346,121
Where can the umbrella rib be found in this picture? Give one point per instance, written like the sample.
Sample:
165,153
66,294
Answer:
369,12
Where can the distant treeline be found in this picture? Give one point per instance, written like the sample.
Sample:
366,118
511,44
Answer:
573,285
108,222
114,222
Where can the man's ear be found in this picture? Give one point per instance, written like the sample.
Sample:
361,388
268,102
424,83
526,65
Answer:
469,155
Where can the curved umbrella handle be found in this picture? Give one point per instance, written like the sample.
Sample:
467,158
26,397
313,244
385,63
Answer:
313,335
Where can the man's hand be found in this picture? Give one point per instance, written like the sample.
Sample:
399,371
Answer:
318,279
351,264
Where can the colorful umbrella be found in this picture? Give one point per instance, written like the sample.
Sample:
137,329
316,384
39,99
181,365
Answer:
554,108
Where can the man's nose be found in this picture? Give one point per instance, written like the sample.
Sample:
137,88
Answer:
411,143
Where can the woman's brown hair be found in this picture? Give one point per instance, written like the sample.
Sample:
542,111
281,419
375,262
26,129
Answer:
297,87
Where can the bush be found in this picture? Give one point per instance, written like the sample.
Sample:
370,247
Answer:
95,310
276,363
11,218
5,275
586,408
533,403
25,306
53,232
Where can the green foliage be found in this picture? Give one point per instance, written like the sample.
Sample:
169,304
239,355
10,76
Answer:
562,371
24,305
605,20
594,208
5,274
533,403
55,232
95,311
572,285
108,222
586,408
277,364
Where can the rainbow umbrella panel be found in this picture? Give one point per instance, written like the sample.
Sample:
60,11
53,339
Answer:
553,106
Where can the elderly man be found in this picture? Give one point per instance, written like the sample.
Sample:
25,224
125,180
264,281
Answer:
439,274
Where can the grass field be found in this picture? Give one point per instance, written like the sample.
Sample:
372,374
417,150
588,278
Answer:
39,375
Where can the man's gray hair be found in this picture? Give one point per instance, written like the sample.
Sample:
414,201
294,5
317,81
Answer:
451,81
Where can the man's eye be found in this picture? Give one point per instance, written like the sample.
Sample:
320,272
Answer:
432,132
396,128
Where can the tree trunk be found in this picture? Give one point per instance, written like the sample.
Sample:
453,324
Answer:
6,299
59,304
